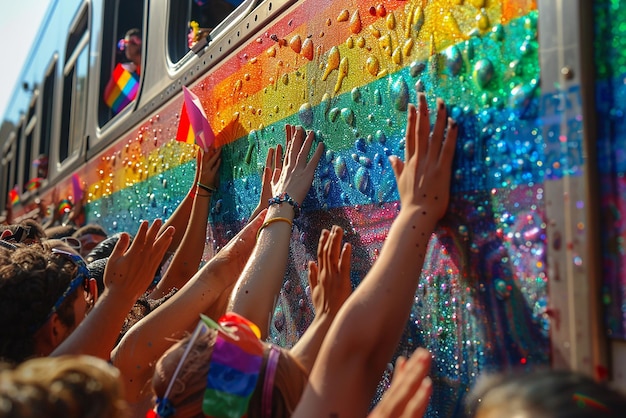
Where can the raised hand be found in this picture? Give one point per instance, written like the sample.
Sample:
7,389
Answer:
296,174
424,176
208,164
410,388
273,162
131,269
329,278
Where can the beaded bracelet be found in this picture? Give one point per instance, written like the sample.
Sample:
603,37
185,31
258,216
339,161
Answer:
206,188
271,221
285,198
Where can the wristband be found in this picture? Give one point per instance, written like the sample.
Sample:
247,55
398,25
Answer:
206,188
285,198
271,221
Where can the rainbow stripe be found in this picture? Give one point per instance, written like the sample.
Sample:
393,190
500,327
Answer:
14,196
122,89
234,370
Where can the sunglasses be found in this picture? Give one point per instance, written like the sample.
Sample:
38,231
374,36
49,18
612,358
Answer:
82,277
123,43
72,242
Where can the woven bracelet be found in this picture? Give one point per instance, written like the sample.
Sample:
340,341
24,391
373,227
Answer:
285,198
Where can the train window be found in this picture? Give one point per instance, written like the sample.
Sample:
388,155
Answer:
75,74
7,169
122,57
29,133
191,21
45,125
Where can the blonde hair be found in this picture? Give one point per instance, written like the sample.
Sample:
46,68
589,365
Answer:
68,386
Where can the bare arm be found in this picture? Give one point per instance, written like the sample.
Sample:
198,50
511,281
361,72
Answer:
258,285
147,340
125,280
329,280
187,257
368,327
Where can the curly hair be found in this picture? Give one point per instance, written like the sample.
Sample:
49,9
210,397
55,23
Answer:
65,386
32,279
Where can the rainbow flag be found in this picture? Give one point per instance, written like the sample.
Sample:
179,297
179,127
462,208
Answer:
122,88
34,184
194,127
14,196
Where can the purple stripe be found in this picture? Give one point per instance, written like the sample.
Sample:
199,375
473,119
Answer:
232,356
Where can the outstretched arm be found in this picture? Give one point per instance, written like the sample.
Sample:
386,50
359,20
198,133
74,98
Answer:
368,327
273,161
329,280
181,214
206,293
125,280
187,257
257,287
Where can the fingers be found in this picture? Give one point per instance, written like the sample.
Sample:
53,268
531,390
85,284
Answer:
215,160
449,145
303,152
345,258
410,145
397,166
278,160
269,159
336,236
140,236
440,125
315,159
321,249
313,272
423,127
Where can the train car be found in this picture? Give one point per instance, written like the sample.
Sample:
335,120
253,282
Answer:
524,271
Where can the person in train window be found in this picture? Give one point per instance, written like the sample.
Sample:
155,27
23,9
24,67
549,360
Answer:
123,86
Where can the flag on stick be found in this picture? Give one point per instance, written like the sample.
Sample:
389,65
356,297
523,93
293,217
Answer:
122,88
194,126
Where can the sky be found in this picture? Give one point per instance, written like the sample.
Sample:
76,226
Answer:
23,18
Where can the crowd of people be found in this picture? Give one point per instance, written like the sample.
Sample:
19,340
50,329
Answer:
93,325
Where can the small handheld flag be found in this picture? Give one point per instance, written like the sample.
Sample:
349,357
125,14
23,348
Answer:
14,196
194,126
122,88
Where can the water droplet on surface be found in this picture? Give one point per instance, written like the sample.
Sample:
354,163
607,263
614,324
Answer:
305,113
483,72
399,92
348,116
372,65
355,22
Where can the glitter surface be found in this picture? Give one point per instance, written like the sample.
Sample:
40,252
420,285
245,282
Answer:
482,296
610,32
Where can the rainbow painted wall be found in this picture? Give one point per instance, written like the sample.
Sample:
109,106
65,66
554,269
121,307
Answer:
347,69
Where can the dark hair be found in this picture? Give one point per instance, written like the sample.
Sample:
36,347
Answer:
93,229
60,231
31,280
104,248
545,394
